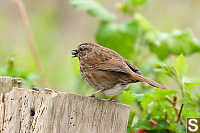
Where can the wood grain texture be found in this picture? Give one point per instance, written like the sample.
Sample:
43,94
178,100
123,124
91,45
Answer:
7,83
29,111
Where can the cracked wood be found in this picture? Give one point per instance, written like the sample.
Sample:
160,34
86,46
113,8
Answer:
29,111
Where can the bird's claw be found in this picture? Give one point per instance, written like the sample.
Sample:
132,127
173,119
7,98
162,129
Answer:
92,96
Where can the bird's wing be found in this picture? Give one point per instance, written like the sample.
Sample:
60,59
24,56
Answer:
118,66
122,66
133,68
114,66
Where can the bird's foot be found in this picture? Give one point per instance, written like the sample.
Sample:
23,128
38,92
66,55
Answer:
47,90
112,99
92,96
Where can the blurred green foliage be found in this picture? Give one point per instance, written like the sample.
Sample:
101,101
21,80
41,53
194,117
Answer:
129,6
12,69
93,8
114,35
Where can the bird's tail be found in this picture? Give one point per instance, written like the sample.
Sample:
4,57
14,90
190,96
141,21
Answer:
149,81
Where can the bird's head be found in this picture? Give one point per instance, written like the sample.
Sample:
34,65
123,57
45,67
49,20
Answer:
84,49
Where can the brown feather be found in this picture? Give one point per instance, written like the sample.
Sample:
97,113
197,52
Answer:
104,69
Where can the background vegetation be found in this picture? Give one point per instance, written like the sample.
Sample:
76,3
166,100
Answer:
143,31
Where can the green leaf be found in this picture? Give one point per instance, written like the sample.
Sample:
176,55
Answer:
143,24
93,8
144,124
130,122
138,2
191,85
116,37
133,28
148,98
176,128
180,65
183,42
129,5
175,43
158,43
180,128
154,104
165,44
127,97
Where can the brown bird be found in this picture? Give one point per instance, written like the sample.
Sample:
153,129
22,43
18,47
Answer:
106,71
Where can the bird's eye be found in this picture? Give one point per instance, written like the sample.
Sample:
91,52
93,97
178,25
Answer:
81,48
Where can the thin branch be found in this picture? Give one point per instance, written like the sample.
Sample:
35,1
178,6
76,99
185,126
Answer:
22,11
175,107
174,100
169,100
166,115
179,114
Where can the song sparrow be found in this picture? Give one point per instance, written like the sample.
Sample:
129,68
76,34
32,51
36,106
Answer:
106,71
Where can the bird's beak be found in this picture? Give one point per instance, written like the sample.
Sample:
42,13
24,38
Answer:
75,53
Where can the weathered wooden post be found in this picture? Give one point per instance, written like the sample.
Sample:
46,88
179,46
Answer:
29,111
7,83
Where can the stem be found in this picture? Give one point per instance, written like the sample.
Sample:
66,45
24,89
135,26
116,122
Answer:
25,20
179,80
180,84
181,87
179,114
166,115
175,108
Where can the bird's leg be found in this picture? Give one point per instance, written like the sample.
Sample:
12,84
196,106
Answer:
94,94
112,99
